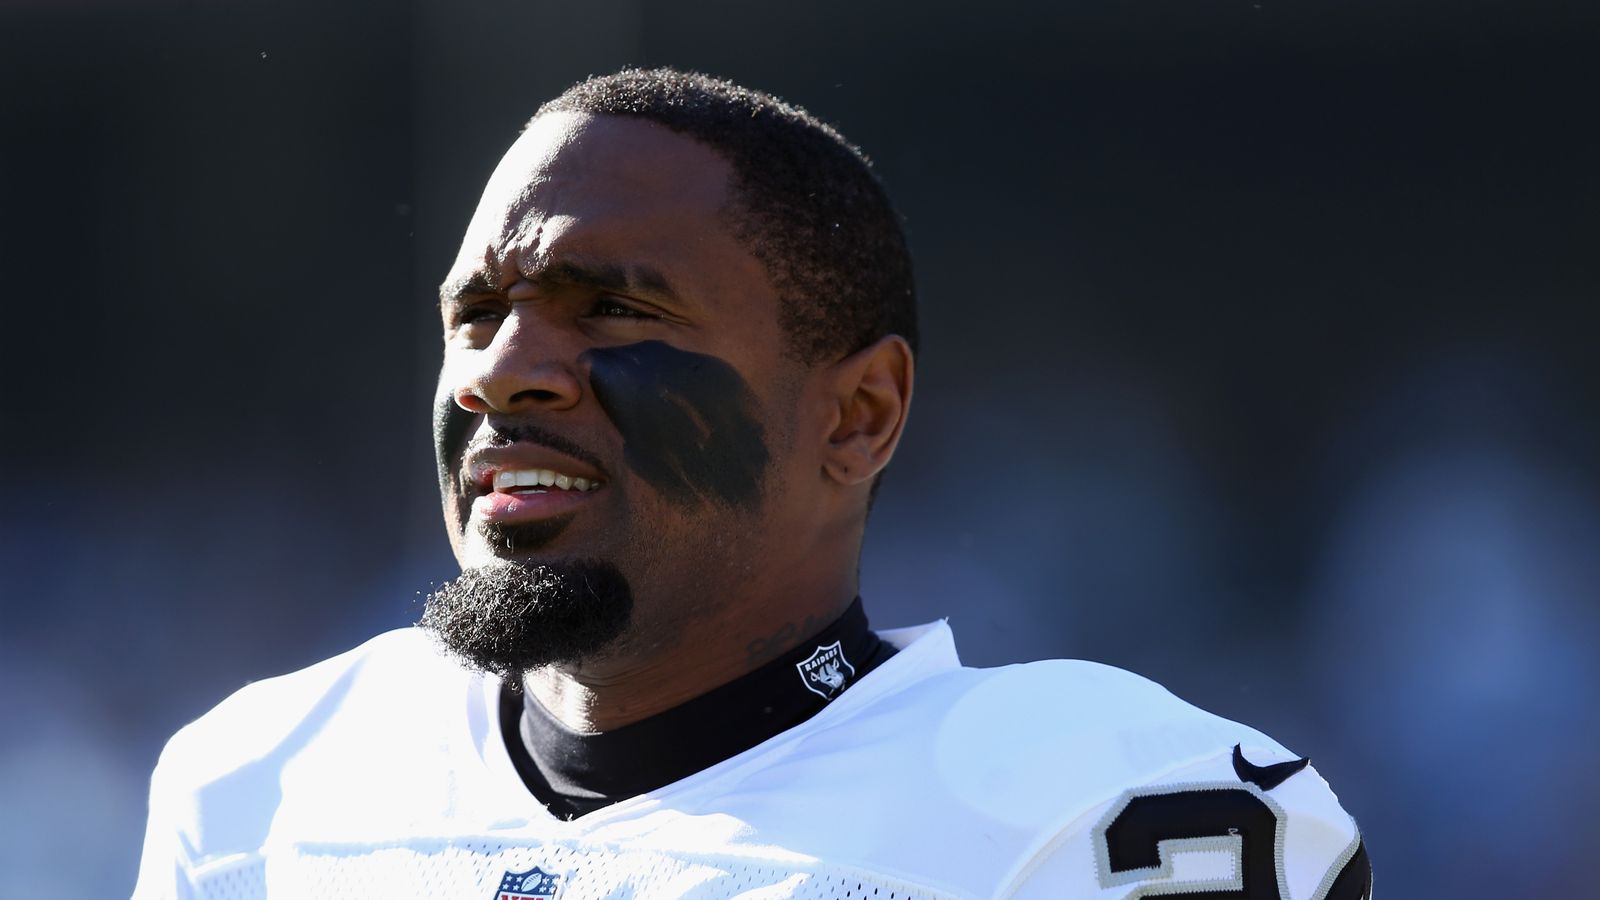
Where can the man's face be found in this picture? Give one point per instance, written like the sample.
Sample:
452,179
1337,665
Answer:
603,328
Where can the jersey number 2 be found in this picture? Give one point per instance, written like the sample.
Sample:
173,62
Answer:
1134,837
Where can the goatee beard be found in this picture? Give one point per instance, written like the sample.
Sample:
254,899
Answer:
509,617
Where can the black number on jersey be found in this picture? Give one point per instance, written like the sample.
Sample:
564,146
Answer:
1133,839
1133,842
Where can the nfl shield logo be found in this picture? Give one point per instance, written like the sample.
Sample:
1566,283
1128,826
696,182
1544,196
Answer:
533,884
826,672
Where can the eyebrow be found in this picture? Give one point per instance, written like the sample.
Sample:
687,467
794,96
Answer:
476,284
601,276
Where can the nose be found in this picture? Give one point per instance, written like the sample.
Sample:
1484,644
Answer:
523,369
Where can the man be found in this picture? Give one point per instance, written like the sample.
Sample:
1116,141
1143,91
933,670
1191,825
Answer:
679,343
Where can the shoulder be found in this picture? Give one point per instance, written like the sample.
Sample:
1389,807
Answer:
266,715
1101,710
223,779
1064,727
1250,821
1059,769
1125,786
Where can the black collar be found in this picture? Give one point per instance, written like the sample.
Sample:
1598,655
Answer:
573,773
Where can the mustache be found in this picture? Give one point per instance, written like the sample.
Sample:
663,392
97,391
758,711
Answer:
507,435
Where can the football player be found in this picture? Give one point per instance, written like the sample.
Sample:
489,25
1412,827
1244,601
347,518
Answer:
679,345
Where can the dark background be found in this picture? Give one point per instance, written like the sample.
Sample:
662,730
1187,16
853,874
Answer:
1259,358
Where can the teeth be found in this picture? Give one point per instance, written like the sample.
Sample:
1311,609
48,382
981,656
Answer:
519,478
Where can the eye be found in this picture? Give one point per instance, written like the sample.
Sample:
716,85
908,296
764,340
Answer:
478,312
475,323
612,308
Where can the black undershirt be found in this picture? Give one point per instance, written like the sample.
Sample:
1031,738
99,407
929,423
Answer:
573,774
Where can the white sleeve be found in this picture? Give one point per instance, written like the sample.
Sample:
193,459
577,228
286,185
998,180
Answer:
164,866
1254,822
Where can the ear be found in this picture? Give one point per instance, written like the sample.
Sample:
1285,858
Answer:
870,395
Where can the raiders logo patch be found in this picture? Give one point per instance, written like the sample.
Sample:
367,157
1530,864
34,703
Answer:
826,672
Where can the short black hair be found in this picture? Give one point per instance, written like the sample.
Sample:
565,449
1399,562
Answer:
806,203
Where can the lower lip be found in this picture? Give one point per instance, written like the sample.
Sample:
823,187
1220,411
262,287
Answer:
526,507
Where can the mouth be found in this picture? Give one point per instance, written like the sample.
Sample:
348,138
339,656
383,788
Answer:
507,495
527,481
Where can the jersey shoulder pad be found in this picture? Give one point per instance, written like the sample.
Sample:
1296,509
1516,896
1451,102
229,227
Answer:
1168,799
218,780
1104,728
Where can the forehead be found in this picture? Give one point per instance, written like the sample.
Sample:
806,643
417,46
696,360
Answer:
604,186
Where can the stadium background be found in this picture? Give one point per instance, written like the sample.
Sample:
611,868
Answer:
1260,359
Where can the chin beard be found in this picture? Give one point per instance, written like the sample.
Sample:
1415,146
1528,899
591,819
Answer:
511,617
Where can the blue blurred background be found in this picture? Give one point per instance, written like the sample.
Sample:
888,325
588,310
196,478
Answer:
1260,358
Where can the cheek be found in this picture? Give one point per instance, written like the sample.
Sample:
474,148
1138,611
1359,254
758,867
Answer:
452,428
689,422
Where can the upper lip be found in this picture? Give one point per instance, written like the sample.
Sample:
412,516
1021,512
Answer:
480,466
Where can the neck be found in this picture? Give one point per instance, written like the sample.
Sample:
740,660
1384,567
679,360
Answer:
648,678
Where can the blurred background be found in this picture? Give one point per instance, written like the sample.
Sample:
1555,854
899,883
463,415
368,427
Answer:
1260,358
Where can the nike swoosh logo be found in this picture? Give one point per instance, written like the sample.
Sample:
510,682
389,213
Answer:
1265,777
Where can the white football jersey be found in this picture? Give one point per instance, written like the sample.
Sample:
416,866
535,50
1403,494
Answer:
382,773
